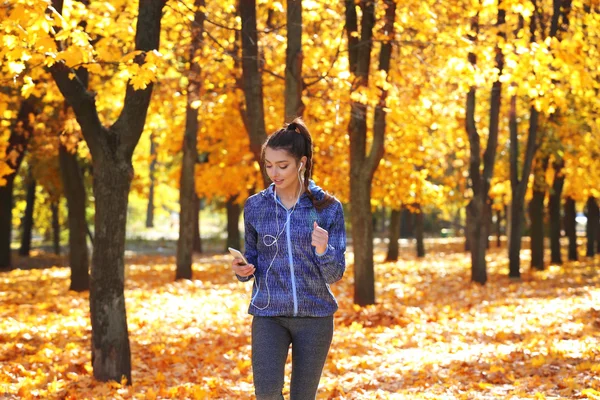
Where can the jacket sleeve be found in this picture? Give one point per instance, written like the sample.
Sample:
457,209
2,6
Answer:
250,240
332,263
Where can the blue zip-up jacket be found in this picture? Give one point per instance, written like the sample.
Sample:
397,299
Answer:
299,278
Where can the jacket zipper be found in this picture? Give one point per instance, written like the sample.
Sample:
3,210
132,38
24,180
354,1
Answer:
289,242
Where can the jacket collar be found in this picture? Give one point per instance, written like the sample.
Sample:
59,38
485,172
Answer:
304,200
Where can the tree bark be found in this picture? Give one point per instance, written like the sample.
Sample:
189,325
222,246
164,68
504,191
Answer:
508,224
468,229
111,357
519,184
197,236
536,214
233,219
111,149
362,241
74,190
55,227
363,164
406,223
27,224
360,186
150,208
592,226
490,214
571,227
187,192
20,134
252,80
6,205
554,211
394,235
294,107
478,206
498,228
419,232
598,239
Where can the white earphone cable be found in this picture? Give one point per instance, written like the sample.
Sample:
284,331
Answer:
274,241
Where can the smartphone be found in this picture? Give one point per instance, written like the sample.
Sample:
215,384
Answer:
238,254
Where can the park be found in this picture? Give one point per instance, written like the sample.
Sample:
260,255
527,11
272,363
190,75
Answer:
458,142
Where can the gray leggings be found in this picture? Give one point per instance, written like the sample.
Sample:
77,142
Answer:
271,337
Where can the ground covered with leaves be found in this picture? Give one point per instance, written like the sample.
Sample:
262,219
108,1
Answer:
431,335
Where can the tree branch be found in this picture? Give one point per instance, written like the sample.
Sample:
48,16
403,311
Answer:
81,100
147,37
221,25
378,146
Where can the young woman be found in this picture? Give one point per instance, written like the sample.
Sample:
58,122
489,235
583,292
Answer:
295,243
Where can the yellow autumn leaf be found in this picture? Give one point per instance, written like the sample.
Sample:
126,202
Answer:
16,67
591,393
538,361
28,87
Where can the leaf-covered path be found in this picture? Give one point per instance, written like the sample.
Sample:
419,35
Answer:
432,334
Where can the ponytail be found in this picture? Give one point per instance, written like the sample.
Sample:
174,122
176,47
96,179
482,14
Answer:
297,141
298,126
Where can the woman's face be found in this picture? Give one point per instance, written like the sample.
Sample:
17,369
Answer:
282,168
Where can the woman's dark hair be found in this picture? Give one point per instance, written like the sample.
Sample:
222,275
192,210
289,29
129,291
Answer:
297,141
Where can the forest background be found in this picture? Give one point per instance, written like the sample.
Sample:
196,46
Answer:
430,119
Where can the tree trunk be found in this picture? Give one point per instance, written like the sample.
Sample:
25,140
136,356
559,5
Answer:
490,213
536,216
554,211
150,209
478,207
598,239
508,224
6,205
536,212
187,191
74,190
478,239
406,224
498,228
252,80
419,232
468,224
111,149
394,233
20,134
363,163
519,184
111,357
27,224
514,251
362,241
233,219
55,227
294,107
360,185
197,237
592,226
571,227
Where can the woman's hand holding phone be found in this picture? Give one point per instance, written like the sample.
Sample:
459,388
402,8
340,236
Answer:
241,268
239,264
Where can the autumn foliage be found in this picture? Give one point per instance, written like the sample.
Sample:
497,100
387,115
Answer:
432,335
429,83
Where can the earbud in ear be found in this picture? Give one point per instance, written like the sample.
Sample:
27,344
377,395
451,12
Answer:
301,164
